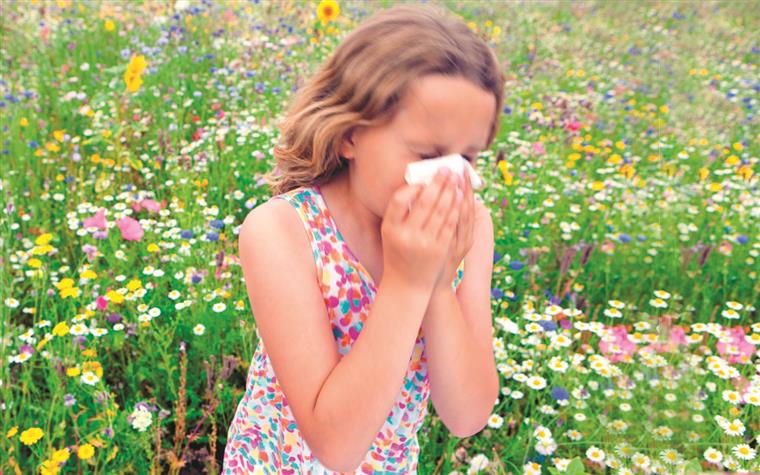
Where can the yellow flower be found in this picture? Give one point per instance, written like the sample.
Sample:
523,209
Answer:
12,432
620,145
327,10
73,371
134,81
137,65
70,292
60,455
597,185
114,296
24,122
507,176
43,239
59,135
49,467
85,451
152,247
109,25
30,436
738,146
134,284
61,329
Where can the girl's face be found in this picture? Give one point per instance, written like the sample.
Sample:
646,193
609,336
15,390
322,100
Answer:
438,116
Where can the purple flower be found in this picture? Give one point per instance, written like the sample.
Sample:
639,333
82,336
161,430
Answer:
742,239
559,393
69,400
114,317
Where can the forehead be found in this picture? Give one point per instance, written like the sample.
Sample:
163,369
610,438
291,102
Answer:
446,110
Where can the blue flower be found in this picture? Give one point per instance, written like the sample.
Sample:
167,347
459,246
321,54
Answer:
624,238
516,265
217,223
559,393
548,325
186,234
497,293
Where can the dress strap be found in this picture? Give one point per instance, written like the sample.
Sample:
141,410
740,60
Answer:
302,199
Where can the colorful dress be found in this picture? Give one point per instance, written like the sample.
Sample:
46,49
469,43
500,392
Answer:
263,437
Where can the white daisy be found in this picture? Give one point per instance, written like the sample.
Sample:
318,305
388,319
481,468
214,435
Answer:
219,307
595,454
90,378
658,303
730,314
532,468
734,305
616,304
662,294
735,427
713,456
199,329
731,396
613,313
536,382
744,452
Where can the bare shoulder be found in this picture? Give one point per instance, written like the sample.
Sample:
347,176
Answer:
288,306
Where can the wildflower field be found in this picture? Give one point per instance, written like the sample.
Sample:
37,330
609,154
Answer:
623,187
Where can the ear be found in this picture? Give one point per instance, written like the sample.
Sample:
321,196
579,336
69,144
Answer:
347,146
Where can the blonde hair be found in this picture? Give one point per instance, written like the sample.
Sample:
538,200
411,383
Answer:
362,81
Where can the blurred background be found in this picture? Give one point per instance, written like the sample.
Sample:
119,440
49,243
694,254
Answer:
623,187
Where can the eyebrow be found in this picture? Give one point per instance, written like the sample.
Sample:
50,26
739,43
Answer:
472,148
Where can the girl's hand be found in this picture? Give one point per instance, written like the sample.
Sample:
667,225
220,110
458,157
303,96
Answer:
463,236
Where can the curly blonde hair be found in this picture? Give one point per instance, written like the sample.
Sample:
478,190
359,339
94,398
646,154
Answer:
362,81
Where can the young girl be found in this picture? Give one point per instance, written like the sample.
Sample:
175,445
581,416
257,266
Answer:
340,380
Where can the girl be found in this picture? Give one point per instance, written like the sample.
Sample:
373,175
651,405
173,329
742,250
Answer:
340,380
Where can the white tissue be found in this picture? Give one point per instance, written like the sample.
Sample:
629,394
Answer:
424,171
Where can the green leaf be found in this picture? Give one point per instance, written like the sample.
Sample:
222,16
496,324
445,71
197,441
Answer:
575,467
692,466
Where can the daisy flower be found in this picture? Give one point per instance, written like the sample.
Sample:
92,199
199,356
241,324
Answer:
595,454
88,377
713,456
730,314
536,382
735,427
199,329
662,294
744,452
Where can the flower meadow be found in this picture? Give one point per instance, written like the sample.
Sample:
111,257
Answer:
623,187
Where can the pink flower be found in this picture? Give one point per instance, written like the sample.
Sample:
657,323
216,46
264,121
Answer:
538,148
97,221
620,338
101,303
743,348
147,203
130,229
573,126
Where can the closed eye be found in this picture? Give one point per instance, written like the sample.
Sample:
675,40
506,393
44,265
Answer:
425,157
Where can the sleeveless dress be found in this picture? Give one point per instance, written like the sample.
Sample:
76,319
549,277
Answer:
263,437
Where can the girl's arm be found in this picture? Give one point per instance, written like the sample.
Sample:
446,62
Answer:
339,403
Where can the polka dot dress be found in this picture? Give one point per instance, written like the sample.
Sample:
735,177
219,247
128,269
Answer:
264,437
